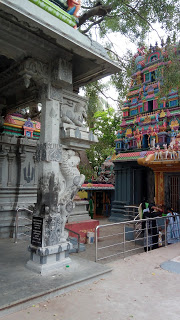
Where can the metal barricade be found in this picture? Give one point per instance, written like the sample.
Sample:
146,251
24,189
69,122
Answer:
123,239
77,234
131,212
17,233
25,226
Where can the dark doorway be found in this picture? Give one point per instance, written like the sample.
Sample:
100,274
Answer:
153,76
150,186
172,191
99,195
150,106
145,141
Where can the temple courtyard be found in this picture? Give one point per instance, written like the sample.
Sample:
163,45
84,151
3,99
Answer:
142,286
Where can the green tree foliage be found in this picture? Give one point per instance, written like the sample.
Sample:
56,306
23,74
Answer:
106,124
171,71
88,172
121,80
131,18
94,101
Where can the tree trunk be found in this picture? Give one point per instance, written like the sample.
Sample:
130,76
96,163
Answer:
100,10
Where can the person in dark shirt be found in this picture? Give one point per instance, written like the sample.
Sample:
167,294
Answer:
152,236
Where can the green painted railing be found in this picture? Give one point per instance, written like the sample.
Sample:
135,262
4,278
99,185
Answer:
56,11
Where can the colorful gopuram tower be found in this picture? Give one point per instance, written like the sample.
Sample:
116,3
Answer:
147,162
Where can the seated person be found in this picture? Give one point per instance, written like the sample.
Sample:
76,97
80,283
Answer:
73,7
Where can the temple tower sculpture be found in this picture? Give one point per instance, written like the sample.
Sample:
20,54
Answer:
147,145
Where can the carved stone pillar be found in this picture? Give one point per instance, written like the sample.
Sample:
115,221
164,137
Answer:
10,160
62,133
2,157
48,252
22,158
35,170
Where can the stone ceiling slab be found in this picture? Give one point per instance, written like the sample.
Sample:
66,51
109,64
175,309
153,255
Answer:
34,32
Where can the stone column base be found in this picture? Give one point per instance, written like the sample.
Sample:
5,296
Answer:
51,259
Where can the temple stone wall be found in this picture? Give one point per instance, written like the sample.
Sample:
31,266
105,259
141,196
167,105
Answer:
18,184
18,179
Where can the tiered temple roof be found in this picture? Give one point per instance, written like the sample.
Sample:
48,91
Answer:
149,122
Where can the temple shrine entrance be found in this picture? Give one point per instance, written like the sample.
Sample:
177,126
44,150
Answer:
99,199
150,186
145,141
150,106
172,191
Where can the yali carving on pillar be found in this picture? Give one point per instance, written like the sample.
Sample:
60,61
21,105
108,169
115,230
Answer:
73,181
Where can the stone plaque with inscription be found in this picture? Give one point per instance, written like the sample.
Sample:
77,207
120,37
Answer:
37,228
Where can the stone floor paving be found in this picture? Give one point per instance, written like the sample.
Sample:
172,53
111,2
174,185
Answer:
137,289
21,286
96,292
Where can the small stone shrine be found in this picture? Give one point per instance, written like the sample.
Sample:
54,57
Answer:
44,60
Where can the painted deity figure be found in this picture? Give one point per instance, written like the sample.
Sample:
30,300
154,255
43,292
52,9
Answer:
173,136
138,137
126,143
153,143
73,7
157,117
152,138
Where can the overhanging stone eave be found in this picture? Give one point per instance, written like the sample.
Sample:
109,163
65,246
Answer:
92,76
63,35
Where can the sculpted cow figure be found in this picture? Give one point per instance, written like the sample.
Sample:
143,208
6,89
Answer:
165,152
158,153
178,150
172,152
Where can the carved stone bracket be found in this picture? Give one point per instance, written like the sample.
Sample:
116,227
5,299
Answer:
49,152
23,73
61,72
77,138
35,69
55,93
